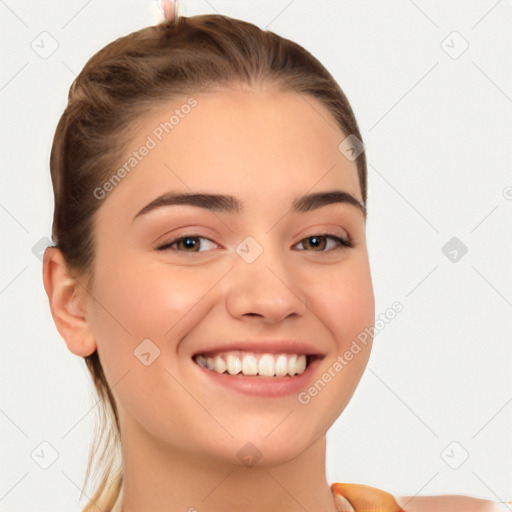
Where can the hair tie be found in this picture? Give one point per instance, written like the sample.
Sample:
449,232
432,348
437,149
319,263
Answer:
170,11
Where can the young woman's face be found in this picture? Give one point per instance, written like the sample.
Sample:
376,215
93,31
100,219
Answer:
257,271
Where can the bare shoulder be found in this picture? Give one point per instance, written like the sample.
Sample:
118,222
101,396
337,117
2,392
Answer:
450,503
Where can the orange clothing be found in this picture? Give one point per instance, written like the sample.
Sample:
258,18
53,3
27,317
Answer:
364,498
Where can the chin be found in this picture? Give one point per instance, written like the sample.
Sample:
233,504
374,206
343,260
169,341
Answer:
274,450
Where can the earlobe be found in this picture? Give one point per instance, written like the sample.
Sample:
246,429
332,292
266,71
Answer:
68,304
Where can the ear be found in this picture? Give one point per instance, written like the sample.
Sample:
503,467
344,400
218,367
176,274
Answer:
68,304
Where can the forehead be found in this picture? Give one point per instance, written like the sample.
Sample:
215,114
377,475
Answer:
247,143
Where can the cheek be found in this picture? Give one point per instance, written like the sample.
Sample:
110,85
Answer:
161,305
343,299
148,302
153,301
346,308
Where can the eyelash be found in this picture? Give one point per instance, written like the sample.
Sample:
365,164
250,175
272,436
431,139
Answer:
342,243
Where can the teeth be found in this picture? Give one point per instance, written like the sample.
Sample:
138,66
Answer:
220,365
281,367
234,364
301,364
292,364
266,365
248,363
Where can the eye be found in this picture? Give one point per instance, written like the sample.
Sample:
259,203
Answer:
319,243
196,243
188,243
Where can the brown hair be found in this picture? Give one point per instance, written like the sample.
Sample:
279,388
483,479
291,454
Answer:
116,86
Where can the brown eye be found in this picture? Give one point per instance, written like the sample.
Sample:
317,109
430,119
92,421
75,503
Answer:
319,243
189,243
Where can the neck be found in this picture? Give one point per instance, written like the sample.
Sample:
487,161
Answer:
167,480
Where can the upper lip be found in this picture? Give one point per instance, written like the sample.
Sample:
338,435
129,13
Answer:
265,347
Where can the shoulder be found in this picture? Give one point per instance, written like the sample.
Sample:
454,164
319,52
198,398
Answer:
352,497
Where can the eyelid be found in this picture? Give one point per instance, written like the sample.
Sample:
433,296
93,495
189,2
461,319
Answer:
166,245
343,242
333,232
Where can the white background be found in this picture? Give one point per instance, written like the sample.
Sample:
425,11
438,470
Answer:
437,133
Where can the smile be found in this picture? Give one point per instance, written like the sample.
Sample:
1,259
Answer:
254,364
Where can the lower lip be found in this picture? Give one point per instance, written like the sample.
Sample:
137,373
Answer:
267,387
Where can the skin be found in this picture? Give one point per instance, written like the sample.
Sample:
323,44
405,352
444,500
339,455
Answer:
180,432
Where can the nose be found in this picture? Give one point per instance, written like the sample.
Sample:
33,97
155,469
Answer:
265,289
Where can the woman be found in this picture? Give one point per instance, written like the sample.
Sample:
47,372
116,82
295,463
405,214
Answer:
211,266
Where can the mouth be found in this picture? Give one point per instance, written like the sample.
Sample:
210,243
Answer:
256,364
264,368
257,374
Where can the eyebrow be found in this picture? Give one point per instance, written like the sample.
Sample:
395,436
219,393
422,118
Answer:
230,204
